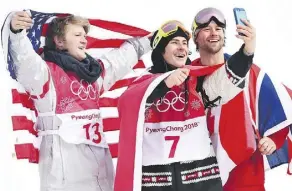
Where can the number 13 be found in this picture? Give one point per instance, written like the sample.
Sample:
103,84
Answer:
96,132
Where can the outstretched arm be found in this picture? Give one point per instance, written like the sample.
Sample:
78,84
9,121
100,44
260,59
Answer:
225,83
118,62
31,69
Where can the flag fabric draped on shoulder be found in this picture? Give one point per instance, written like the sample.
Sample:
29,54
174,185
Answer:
129,166
262,109
288,144
102,37
284,154
271,109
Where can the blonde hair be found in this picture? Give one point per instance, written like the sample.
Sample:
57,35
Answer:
58,28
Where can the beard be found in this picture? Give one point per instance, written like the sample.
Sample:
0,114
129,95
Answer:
212,48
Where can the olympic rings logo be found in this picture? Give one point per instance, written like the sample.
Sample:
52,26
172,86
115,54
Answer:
84,90
180,98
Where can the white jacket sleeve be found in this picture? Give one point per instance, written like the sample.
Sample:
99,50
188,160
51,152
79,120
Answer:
118,62
218,84
31,69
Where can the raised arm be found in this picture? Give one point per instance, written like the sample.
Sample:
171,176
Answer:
226,82
31,69
118,62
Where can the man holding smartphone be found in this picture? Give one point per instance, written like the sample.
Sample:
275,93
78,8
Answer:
209,37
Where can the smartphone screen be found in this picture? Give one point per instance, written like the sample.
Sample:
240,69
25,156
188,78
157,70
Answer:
239,13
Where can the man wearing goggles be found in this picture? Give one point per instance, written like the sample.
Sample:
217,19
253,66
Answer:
176,150
205,16
208,31
168,29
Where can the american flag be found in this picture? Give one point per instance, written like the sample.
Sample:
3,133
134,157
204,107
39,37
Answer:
103,36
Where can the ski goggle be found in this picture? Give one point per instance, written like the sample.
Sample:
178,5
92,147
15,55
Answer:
205,16
167,29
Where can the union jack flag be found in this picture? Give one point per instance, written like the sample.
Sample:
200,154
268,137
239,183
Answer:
264,108
104,36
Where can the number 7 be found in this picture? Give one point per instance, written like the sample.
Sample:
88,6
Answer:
175,140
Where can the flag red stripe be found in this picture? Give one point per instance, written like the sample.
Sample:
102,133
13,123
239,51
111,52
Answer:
114,149
108,102
119,27
46,88
242,132
111,124
62,14
109,25
108,43
140,64
254,72
27,151
289,91
128,135
44,29
122,83
289,140
22,98
22,123
289,154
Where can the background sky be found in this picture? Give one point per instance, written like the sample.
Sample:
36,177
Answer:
270,18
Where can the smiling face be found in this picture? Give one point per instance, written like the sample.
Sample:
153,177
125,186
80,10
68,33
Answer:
176,52
74,41
210,39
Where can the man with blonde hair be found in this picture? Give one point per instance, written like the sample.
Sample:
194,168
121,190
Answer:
65,87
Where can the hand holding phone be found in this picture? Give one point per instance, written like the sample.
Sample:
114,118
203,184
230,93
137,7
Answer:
240,13
246,31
